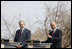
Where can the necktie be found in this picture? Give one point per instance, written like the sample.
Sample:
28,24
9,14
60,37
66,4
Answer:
20,31
52,33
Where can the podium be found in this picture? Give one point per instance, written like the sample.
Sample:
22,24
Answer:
11,44
30,43
37,44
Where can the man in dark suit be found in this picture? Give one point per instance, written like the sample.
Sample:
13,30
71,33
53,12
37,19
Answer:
55,36
22,35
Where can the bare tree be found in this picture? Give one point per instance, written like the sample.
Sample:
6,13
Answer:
11,25
7,26
62,16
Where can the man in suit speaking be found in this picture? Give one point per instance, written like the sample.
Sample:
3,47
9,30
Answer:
21,35
54,37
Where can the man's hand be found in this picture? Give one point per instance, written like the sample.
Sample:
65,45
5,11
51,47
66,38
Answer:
19,46
49,36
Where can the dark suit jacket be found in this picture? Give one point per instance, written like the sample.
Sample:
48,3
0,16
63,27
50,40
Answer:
26,35
56,39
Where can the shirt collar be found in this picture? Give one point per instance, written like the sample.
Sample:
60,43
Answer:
22,29
54,29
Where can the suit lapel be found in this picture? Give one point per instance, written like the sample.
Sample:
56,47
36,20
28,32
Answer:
55,33
24,31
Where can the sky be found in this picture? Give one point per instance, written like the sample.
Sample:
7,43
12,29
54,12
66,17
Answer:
29,11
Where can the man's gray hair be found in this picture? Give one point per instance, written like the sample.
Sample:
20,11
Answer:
21,21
